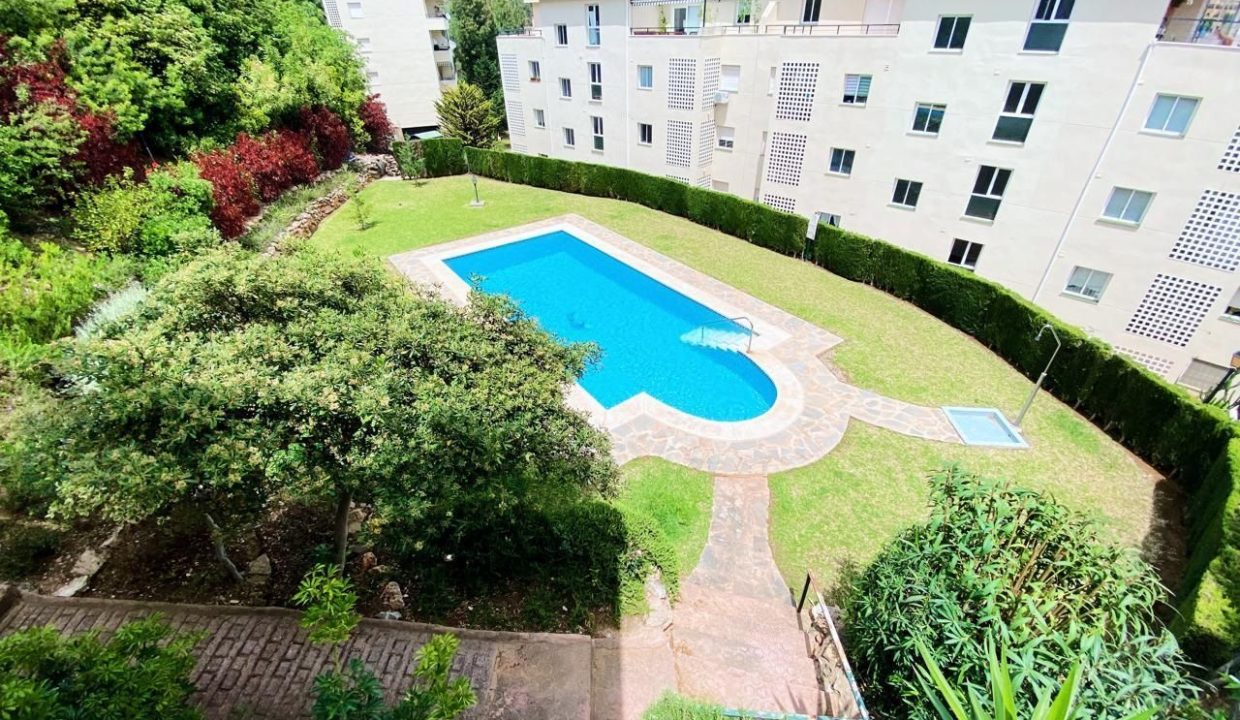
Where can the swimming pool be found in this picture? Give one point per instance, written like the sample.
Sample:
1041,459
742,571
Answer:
653,339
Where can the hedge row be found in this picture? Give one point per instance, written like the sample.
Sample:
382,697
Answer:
1191,442
758,224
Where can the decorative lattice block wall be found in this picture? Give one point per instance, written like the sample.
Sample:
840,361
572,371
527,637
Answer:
1211,237
679,143
681,83
797,84
1172,309
784,157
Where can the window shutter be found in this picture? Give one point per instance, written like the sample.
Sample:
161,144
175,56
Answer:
863,85
851,83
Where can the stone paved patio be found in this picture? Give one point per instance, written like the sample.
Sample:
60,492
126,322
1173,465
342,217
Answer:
813,407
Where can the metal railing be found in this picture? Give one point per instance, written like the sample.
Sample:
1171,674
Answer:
735,321
1218,32
786,29
521,32
828,653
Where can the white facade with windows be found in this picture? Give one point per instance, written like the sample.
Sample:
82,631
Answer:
1084,153
405,46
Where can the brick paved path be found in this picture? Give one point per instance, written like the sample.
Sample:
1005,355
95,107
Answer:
256,662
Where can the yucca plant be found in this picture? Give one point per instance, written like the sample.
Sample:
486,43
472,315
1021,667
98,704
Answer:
950,704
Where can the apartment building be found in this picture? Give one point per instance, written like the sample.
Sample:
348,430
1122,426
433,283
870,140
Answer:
1085,153
407,52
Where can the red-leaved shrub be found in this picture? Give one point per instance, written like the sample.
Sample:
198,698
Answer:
232,188
260,159
294,150
328,134
377,125
101,156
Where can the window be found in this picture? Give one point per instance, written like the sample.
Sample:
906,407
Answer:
1171,114
744,13
1233,307
773,81
596,124
566,88
952,31
928,118
906,194
363,45
811,11
1087,283
730,78
826,218
964,254
842,161
987,192
645,133
725,137
561,34
596,80
1049,25
540,118
1017,116
856,89
535,71
1127,205
355,10
570,137
372,78
592,26
645,76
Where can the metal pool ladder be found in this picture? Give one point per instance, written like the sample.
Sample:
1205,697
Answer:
737,319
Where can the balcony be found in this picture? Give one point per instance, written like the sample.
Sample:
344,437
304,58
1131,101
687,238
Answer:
784,29
1219,32
525,32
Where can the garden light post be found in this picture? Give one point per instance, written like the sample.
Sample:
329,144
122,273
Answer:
1226,381
477,201
1038,385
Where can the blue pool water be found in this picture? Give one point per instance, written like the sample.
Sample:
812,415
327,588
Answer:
984,426
651,336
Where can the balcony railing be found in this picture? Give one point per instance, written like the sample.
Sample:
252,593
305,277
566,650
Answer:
1221,32
521,32
787,29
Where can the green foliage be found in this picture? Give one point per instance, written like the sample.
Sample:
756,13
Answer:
475,53
141,673
355,693
409,162
950,704
362,214
466,114
1158,421
37,144
24,548
443,156
329,601
169,213
677,707
1013,566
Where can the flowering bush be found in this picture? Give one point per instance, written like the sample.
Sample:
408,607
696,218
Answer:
329,136
232,189
378,127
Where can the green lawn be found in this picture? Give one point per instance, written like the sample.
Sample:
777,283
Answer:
852,501
677,497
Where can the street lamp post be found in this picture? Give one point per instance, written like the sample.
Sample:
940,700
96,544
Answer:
1038,385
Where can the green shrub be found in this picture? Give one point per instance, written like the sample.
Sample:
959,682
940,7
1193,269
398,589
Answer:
443,156
409,162
1011,567
141,673
25,547
677,707
167,214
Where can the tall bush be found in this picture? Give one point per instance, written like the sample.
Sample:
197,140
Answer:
328,136
1012,567
379,129
168,213
467,115
232,189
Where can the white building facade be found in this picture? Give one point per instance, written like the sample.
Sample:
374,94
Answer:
407,52
1085,154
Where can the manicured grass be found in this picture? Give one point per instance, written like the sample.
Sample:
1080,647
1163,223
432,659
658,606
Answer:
676,497
855,499
288,206
677,707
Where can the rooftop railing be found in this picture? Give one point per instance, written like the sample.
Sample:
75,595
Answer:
786,29
521,32
1219,32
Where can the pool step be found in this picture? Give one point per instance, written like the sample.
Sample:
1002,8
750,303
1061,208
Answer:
717,338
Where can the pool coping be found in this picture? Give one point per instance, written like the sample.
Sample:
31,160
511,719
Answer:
813,405
1019,444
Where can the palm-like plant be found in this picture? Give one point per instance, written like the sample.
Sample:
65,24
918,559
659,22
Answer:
466,114
950,704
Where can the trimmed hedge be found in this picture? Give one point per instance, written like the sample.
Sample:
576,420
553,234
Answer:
1196,444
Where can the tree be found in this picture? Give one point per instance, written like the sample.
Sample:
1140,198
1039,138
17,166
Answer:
1018,569
473,30
466,114
243,378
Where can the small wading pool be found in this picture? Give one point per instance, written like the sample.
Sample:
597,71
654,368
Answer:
653,339
984,426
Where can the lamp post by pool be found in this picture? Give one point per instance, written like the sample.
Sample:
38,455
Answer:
1038,385
1222,384
477,201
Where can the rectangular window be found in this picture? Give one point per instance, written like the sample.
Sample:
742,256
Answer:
1018,109
907,193
593,31
1087,283
772,84
535,71
596,123
826,218
645,76
596,80
730,78
952,31
964,254
561,35
856,89
645,133
363,45
372,78
725,137
566,88
1171,114
1049,25
811,11
928,118
570,137
1127,205
842,161
1233,307
355,10
988,192
540,118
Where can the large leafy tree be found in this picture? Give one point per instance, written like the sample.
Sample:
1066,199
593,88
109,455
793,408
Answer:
473,30
1014,568
466,114
243,378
